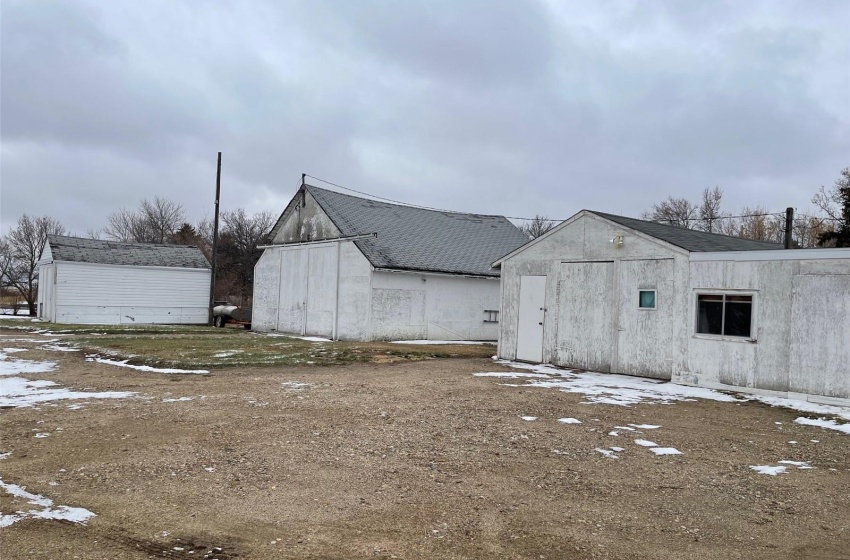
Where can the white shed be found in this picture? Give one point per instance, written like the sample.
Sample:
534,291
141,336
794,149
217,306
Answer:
344,267
616,294
92,281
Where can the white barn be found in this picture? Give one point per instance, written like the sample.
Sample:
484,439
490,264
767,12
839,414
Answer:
615,294
91,281
344,267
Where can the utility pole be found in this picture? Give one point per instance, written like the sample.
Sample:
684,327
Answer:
215,239
789,224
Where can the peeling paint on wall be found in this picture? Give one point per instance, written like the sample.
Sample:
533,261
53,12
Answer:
800,325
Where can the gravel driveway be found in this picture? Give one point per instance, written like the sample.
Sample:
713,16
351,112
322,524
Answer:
404,460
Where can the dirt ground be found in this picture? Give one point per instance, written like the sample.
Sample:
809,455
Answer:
407,460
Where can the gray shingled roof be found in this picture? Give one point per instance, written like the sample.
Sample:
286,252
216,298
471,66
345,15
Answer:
689,239
418,239
78,249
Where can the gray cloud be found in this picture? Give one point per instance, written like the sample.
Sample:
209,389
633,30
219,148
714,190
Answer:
500,107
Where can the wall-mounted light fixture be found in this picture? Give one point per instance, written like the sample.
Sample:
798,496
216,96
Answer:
617,241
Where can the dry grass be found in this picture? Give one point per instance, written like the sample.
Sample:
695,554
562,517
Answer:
193,347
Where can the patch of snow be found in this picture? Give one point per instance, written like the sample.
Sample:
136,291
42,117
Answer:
814,440
614,389
792,442
665,451
623,390
624,428
798,464
18,392
510,374
569,421
610,453
805,406
645,426
14,350
767,469
824,423
48,511
123,363
209,469
8,316
441,342
5,455
179,399
307,338
15,367
613,433
227,353
646,443
618,449
295,385
58,348
41,435
529,418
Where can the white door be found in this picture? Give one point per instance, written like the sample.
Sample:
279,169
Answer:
532,299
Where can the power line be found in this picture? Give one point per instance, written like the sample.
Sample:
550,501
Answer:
382,198
668,220
414,205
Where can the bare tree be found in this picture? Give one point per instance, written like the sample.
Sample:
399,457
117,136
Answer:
239,236
678,212
127,226
155,221
537,226
709,209
756,223
164,217
27,241
831,202
93,233
806,230
7,272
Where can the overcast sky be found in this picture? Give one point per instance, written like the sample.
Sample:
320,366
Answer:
490,106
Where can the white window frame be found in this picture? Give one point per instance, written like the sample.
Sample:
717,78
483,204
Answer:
654,299
730,292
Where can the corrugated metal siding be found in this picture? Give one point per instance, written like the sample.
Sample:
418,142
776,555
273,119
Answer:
110,294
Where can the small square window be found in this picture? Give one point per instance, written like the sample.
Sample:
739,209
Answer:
646,299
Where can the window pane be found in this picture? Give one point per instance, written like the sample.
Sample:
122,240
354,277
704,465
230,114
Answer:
647,299
748,299
738,318
710,297
709,316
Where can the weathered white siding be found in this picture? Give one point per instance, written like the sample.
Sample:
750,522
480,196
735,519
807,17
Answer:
266,291
319,289
801,325
411,306
329,289
801,311
306,222
113,294
592,319
47,290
